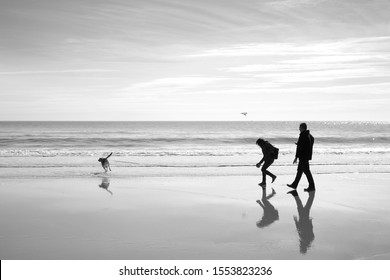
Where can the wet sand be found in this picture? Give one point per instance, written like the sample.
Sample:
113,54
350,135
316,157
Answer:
194,217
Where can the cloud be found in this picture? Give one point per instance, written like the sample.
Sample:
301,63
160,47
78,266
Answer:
319,68
330,47
292,4
177,82
70,71
253,50
266,49
352,60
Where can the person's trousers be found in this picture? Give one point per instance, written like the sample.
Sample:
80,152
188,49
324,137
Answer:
304,167
264,170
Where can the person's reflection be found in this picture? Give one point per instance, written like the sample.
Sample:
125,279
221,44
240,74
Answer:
270,214
105,184
304,223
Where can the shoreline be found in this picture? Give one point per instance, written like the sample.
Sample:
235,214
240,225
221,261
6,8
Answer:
66,170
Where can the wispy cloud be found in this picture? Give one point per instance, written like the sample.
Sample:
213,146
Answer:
279,65
314,68
292,4
335,47
173,83
68,71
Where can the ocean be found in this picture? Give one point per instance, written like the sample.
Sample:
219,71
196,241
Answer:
339,146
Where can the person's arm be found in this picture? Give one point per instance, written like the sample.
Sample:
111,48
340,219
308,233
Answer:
260,162
298,150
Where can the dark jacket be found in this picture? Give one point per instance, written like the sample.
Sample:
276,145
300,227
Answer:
268,151
305,146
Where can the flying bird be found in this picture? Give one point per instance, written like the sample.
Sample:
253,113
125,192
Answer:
244,113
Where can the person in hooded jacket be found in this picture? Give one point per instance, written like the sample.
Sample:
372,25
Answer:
304,153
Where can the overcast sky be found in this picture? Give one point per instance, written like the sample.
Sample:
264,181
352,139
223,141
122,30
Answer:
195,60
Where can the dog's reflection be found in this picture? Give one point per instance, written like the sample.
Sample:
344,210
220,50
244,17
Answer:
270,214
105,184
303,222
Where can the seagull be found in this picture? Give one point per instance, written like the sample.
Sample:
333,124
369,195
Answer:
244,113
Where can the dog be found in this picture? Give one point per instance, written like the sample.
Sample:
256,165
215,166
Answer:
105,163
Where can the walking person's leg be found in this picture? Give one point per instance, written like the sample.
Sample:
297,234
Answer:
294,184
309,176
265,172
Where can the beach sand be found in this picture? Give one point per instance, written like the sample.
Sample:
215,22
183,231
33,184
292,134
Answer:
193,217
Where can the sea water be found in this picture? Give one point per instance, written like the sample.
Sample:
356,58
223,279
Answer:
206,146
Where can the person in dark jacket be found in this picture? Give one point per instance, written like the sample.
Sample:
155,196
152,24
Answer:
270,153
304,153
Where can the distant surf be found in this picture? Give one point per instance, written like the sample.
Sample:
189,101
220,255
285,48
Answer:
348,146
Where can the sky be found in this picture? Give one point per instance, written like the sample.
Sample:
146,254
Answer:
194,60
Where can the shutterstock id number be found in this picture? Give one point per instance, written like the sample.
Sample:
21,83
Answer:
241,270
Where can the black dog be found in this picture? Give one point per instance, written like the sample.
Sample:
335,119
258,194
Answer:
105,163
